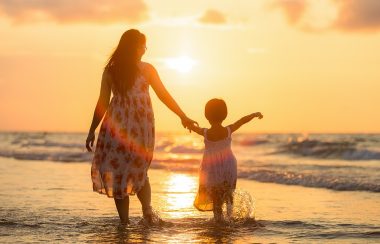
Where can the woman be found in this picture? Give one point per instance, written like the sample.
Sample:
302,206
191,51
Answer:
125,143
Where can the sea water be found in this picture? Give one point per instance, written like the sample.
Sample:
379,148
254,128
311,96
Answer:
342,162
291,187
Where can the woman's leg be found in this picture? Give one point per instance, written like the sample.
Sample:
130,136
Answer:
122,206
144,195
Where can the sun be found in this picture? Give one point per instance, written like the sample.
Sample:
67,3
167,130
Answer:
182,64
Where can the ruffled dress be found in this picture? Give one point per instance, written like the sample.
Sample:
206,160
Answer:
217,172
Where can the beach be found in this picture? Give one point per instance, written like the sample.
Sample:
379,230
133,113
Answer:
53,202
95,96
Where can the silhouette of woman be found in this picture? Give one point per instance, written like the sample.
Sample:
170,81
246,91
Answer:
125,143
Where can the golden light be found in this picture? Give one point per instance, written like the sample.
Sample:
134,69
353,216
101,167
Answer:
320,14
181,183
182,64
181,189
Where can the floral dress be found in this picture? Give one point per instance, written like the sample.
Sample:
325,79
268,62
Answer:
217,172
125,143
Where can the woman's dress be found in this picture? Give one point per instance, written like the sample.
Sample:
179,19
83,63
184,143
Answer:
125,143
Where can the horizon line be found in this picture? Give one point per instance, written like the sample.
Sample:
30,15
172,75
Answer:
185,131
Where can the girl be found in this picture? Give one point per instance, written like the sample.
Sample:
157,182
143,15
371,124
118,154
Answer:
218,171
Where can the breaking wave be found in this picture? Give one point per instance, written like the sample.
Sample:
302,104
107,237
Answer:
335,150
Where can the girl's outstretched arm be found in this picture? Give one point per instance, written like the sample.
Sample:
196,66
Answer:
244,120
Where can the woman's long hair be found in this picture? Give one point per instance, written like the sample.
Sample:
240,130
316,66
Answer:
122,64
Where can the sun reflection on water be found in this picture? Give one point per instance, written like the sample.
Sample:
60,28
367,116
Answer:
181,183
181,189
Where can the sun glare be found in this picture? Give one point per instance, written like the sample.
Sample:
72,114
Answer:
182,64
181,193
181,183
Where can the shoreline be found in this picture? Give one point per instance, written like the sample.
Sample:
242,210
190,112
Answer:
52,194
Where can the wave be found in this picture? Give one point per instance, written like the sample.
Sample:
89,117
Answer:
48,156
5,223
251,142
183,149
333,150
82,156
48,144
309,180
323,230
319,176
177,160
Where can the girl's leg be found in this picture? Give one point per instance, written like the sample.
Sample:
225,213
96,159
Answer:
144,195
217,207
229,204
122,206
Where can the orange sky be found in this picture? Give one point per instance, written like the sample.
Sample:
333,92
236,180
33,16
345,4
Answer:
308,66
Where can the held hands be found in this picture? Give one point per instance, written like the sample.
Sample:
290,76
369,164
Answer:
90,141
188,123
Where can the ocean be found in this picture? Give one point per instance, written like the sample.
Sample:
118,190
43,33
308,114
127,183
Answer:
306,188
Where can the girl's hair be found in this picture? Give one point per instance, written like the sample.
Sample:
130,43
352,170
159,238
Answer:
122,65
216,110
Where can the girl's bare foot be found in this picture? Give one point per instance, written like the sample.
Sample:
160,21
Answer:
148,215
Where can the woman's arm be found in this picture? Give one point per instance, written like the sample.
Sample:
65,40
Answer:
100,109
244,120
164,95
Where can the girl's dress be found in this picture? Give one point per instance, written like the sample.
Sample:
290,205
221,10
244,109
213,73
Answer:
125,144
217,172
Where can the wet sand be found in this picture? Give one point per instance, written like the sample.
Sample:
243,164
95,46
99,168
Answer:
44,201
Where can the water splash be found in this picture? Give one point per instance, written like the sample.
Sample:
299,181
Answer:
155,220
156,217
242,209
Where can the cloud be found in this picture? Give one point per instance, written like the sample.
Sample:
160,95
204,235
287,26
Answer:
358,15
71,11
322,15
213,17
293,9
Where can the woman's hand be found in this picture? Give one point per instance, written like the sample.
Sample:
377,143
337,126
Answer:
188,123
90,141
